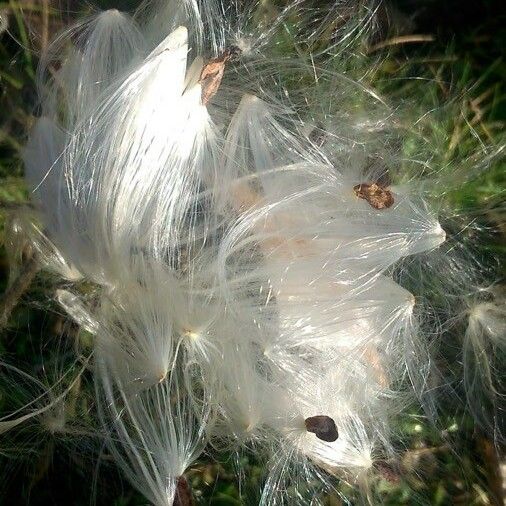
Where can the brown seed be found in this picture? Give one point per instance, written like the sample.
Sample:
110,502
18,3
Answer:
376,195
323,427
183,495
213,71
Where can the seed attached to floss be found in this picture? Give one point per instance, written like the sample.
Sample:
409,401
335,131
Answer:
213,71
323,427
183,495
376,195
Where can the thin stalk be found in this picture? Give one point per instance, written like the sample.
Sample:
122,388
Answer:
13,294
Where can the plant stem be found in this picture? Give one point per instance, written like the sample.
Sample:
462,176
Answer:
14,293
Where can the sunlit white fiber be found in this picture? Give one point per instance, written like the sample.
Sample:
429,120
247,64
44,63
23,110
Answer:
335,223
89,57
138,140
215,24
24,236
149,133
160,17
147,318
77,310
353,449
101,49
249,403
44,172
335,313
154,434
484,345
307,463
45,402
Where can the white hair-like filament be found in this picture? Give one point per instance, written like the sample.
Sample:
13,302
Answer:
242,242
484,344
154,434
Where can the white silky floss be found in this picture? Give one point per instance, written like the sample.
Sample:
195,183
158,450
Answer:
243,285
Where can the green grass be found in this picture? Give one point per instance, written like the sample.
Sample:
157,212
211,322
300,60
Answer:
463,64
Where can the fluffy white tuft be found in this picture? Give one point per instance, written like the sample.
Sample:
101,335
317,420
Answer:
242,241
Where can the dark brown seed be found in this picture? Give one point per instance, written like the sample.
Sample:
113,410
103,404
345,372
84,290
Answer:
323,427
376,195
183,495
213,71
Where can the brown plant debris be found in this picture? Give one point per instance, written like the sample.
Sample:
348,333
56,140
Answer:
388,471
212,73
376,195
323,427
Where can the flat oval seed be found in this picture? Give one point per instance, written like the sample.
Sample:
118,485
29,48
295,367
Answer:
323,427
376,195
